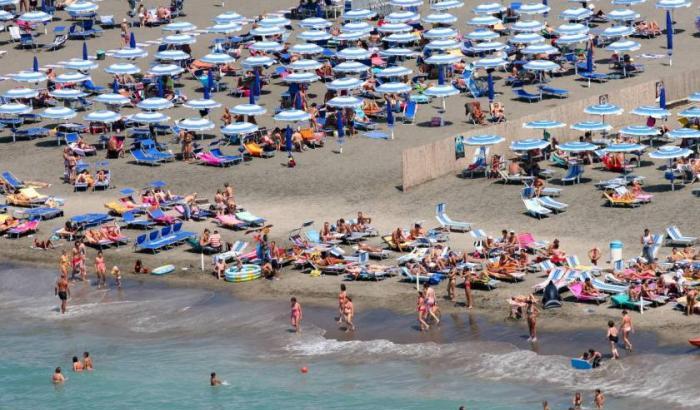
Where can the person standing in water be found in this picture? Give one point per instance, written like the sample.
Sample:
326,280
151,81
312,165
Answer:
626,328
532,313
117,276
101,270
468,288
57,377
612,337
296,314
577,401
599,399
430,302
342,298
348,314
77,365
63,292
213,380
87,361
422,312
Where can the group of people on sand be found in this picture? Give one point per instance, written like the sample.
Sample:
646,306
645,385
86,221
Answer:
78,366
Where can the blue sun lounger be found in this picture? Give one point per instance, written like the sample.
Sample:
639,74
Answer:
550,203
42,213
130,220
142,157
163,238
554,92
235,159
573,174
593,76
91,219
522,94
14,182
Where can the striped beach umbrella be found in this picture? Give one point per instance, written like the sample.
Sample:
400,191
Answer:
533,8
302,78
344,84
58,113
257,61
217,58
683,133
103,116
443,45
483,140
403,16
395,71
165,69
603,109
29,76
352,35
179,26
489,8
266,46
314,35
526,38
624,147
274,21
651,111
72,77
439,18
673,4
112,99
15,109
154,104
527,26
354,53
239,128
20,93
179,39
172,55
79,65
67,94
354,26
639,131
447,5
350,67
670,152
229,17
572,39
692,112
543,125
202,104
122,68
627,3
617,31
577,14
6,15
315,23
393,88
623,15
442,59
248,109
577,146
305,65
406,3
35,17
482,35
224,28
694,97
81,8
540,49
486,20
489,46
130,53
149,117
195,124
359,14
401,38
267,31
528,144
307,49
571,29
291,116
395,28
541,65
489,63
398,52
345,102
592,126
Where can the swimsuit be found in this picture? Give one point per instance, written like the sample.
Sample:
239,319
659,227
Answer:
613,339
62,295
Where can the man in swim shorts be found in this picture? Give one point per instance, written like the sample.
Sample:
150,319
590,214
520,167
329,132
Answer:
62,291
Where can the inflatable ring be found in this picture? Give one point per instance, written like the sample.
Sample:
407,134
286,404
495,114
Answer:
245,274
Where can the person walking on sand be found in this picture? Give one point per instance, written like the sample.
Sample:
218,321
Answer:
296,315
101,270
57,377
342,298
468,288
613,338
348,314
647,246
626,328
532,313
63,292
599,399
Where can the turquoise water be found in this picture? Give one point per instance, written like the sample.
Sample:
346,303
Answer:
154,348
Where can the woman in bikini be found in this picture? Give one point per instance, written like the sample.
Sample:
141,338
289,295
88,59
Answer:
613,338
626,328
532,313
451,284
422,312
342,298
431,302
348,314
64,264
296,315
101,270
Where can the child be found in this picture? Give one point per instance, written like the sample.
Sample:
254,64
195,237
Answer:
219,268
117,276
139,268
291,163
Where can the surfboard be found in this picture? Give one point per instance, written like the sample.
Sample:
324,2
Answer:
163,270
580,364
695,342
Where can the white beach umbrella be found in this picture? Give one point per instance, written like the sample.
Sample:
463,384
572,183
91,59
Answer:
195,124
439,33
130,53
359,14
179,39
72,77
79,65
248,109
165,69
306,49
15,109
403,16
239,128
20,93
103,116
122,68
314,35
58,113
29,76
350,67
180,26
217,58
305,65
154,104
149,117
172,55
67,94
344,84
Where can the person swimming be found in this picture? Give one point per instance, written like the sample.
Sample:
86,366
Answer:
77,365
213,380
57,377
87,361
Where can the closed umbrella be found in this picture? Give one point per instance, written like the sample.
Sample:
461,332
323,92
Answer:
390,119
258,84
489,81
662,97
288,139
341,130
132,40
669,37
35,64
85,51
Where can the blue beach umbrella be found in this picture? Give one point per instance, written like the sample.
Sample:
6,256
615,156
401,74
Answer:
489,80
20,93
35,64
112,99
132,40
85,51
393,88
639,131
662,98
345,101
577,146
483,140
288,139
154,103
543,125
669,36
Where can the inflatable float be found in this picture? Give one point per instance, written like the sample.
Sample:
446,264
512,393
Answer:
551,298
580,364
245,274
163,270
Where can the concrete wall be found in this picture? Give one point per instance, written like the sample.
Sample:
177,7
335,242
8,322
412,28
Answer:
430,161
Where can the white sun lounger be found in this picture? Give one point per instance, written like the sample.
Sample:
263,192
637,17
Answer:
447,223
535,209
552,204
676,238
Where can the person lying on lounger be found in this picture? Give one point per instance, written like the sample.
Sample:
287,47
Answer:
416,232
588,289
363,247
398,239
9,223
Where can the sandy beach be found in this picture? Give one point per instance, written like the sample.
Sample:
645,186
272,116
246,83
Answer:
326,186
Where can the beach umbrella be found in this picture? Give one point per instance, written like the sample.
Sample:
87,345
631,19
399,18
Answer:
344,84
179,39
443,45
603,109
239,128
291,116
489,63
627,2
527,26
315,23
541,66
624,147
489,8
483,140
669,37
266,46
670,152
224,28
274,21
306,49
623,15
58,113
443,59
103,116
395,28
390,119
229,17
639,131
528,144
401,38
662,97
195,124
257,61
673,4
350,67
217,59
533,8
149,117
482,34
29,76
305,65
354,53
35,17
345,102
154,104
683,133
20,93
248,109
132,40
5,15
205,103
577,14
577,146
81,8
622,46
651,111
67,94
179,26
571,29
172,55
406,3
267,31
591,126
352,35
572,39
354,26
403,16
395,71
359,14
122,68
439,18
489,46
540,49
165,69
72,77
15,109
79,65
447,5
694,97
35,64
692,112
543,125
302,78
393,88
483,21
617,31
398,52
526,38
85,51
130,53
442,91
112,99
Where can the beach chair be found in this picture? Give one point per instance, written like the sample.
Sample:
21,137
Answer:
622,300
479,162
42,213
12,181
621,202
577,290
549,203
250,219
675,238
230,222
553,92
26,40
447,223
573,174
130,220
535,209
140,157
514,178
24,228
236,250
107,182
234,159
409,112
522,94
26,197
556,276
158,216
59,41
528,242
609,288
407,276
593,76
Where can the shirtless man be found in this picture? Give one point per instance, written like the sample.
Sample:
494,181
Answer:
87,361
57,377
62,291
626,329
599,399
213,380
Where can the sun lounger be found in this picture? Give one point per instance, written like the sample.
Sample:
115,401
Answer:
577,290
553,92
514,178
230,222
527,241
555,275
142,157
432,279
415,255
623,202
207,158
522,94
549,203
249,218
130,221
676,238
255,150
12,181
236,250
26,197
90,219
42,213
447,223
593,76
24,228
622,300
158,216
535,209
235,159
166,237
573,174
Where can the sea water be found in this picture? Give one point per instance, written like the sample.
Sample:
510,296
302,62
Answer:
154,347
